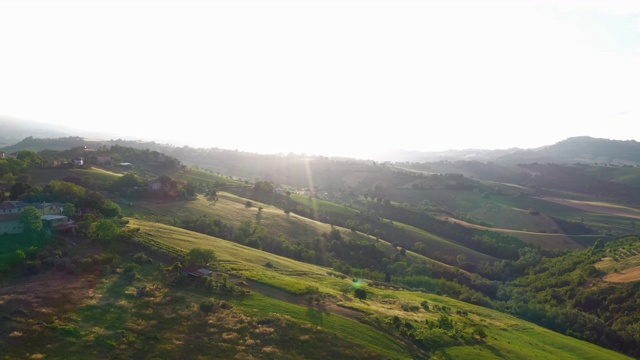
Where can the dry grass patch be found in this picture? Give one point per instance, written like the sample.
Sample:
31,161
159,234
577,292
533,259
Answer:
624,276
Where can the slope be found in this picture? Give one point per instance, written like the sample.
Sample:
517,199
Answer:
506,336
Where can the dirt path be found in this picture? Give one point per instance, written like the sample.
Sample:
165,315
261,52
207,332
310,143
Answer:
596,207
546,240
625,276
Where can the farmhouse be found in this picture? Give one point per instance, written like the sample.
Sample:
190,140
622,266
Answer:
10,217
59,223
51,221
12,207
10,224
196,271
78,161
10,212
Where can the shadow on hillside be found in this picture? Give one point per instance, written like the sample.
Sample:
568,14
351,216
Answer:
316,316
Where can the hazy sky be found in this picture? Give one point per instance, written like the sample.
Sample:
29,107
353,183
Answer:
331,77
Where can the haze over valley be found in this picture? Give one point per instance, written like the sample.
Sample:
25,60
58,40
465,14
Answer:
319,179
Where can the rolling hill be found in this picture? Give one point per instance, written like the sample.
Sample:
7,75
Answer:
439,254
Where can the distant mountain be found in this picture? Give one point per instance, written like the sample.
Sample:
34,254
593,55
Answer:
18,134
482,155
13,130
583,149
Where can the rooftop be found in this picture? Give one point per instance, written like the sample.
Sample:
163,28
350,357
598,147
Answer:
12,204
53,217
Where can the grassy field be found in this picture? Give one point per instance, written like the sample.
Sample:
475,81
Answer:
493,210
408,233
232,210
129,310
327,207
107,317
544,240
510,211
507,337
440,244
43,176
205,177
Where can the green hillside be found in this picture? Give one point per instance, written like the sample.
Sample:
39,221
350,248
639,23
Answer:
316,258
507,337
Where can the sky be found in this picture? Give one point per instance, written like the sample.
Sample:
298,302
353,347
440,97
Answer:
327,77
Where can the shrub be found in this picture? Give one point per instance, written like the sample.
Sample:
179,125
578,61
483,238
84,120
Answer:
360,294
141,258
479,331
207,306
409,307
142,290
200,256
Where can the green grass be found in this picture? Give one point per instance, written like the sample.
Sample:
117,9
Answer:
507,217
595,220
518,342
43,176
508,337
347,328
204,177
439,244
512,212
232,210
329,208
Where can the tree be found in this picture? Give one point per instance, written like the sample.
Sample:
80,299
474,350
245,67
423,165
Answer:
104,230
66,192
110,209
190,188
360,293
29,157
200,256
461,259
31,221
127,181
263,187
68,209
18,189
7,179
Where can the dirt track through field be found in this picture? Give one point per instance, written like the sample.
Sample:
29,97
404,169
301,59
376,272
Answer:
602,208
546,240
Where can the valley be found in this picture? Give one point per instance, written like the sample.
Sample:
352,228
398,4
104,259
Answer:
379,260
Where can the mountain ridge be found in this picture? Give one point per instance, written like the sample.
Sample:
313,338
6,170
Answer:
577,149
